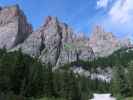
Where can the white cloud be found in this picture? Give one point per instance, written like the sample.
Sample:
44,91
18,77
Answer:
102,3
119,18
122,11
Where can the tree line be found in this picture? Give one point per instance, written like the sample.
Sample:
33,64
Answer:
25,78
121,63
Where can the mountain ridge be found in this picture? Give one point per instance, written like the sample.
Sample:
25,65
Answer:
54,42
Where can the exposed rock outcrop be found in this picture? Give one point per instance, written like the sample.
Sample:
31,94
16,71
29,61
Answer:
105,43
56,43
14,28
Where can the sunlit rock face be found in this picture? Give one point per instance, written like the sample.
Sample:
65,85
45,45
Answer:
14,27
56,43
105,43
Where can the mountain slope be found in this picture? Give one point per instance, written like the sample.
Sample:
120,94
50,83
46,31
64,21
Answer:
56,43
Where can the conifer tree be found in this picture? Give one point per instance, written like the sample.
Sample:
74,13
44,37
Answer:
119,83
130,77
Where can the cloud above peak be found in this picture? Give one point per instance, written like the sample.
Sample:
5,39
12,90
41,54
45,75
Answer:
121,11
118,11
102,3
118,17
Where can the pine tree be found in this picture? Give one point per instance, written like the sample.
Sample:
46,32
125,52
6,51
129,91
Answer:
119,83
130,77
73,87
48,82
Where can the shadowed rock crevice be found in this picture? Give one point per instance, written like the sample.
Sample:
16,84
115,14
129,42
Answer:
59,47
42,43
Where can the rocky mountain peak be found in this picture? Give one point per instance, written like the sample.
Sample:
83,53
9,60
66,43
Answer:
55,42
51,21
98,29
99,33
14,28
105,43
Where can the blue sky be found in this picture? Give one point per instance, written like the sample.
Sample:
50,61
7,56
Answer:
82,15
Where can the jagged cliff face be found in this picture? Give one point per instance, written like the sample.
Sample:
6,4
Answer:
105,43
54,42
14,28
